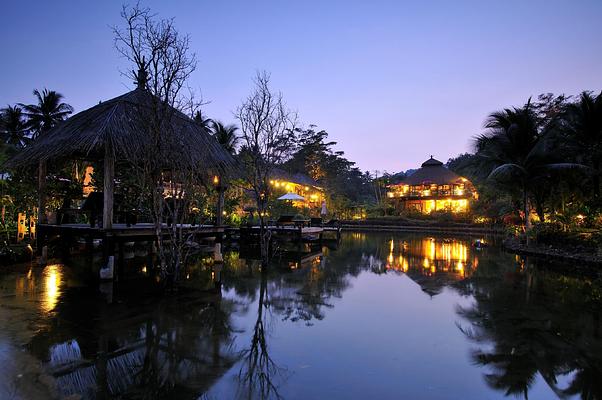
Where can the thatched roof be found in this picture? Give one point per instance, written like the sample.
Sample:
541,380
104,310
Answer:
123,122
432,171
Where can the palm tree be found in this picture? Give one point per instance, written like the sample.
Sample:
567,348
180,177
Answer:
514,150
204,122
13,127
583,126
48,111
44,115
226,135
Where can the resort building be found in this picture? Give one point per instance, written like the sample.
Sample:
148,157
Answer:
433,187
283,182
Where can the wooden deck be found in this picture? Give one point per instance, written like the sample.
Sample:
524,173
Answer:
122,230
117,235
298,233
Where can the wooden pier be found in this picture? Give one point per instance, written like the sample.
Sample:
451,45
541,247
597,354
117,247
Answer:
114,238
293,233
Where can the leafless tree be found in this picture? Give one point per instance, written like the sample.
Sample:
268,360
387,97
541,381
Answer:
259,373
157,48
268,132
167,172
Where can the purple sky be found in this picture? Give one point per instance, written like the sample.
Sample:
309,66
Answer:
392,82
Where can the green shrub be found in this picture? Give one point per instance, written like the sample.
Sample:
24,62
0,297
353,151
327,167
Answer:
556,235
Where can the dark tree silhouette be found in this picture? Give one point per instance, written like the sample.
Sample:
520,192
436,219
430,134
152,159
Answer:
47,112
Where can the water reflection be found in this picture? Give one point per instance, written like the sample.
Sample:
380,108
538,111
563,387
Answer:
537,323
52,281
259,373
527,331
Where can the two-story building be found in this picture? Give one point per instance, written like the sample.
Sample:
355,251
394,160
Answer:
433,187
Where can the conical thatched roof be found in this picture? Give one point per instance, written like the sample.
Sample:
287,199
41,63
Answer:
123,123
432,171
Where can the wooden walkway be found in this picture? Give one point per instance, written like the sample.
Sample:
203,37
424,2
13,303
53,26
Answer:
297,233
124,231
116,237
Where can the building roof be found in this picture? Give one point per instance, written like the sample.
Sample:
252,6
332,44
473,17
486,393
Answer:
298,178
432,171
123,123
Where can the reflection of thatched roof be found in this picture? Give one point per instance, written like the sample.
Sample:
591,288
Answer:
432,171
123,122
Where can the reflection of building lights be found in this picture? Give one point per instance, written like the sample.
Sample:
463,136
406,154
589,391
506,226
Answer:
52,281
460,267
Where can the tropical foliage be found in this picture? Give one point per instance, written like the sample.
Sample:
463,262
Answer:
544,156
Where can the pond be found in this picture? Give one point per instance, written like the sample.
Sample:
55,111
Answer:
383,316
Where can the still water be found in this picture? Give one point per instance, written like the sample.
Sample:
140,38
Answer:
381,316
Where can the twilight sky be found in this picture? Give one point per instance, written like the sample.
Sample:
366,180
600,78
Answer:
391,81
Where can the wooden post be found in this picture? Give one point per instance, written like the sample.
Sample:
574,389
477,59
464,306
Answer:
121,261
219,218
109,181
42,192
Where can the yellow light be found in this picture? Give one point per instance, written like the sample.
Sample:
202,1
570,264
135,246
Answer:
224,213
390,194
460,267
143,269
306,188
216,179
52,281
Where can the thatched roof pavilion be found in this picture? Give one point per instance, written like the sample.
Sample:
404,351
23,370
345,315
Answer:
118,130
432,171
